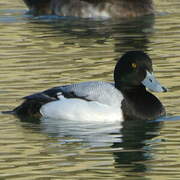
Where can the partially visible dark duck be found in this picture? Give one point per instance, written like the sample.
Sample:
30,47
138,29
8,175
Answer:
91,8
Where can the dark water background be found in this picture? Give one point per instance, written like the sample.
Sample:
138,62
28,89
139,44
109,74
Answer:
38,53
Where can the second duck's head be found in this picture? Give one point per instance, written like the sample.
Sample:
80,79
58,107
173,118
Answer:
39,7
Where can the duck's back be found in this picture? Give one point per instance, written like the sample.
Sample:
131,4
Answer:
102,92
88,101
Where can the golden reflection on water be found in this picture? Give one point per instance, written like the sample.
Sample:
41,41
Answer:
36,54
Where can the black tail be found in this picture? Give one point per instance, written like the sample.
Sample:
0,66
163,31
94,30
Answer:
31,106
28,108
20,111
8,112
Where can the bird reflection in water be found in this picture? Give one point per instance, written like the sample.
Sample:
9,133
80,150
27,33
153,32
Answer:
136,145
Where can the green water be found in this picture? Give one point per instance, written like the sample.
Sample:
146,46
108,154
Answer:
39,53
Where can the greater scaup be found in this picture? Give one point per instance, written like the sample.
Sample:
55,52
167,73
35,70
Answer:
126,98
91,8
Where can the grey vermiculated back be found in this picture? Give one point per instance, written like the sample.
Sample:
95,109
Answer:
100,91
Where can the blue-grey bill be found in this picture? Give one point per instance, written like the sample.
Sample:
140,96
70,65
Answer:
152,84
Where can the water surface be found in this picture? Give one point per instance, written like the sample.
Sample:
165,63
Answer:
39,53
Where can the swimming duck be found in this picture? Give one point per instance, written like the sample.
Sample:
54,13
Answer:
91,8
126,98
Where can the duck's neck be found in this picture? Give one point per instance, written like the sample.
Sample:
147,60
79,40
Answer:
141,104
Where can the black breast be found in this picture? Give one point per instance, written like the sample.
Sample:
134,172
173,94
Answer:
141,105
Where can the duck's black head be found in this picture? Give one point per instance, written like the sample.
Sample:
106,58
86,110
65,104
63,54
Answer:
134,70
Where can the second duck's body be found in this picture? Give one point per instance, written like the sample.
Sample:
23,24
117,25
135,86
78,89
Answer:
91,8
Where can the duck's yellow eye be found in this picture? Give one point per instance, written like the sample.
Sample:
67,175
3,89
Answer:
134,65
